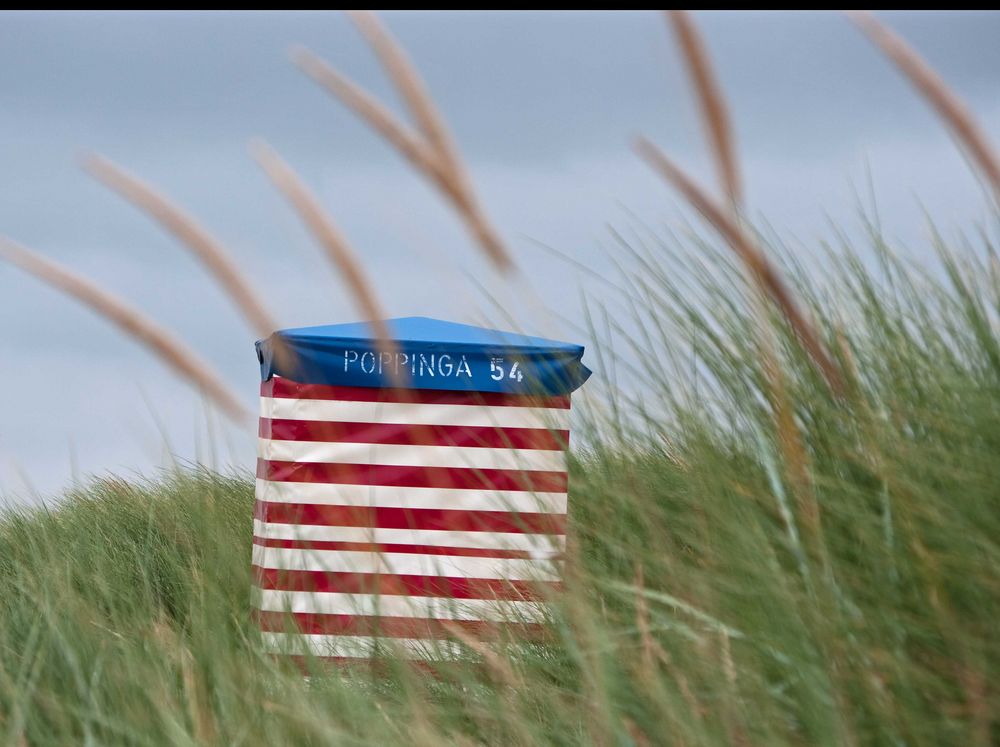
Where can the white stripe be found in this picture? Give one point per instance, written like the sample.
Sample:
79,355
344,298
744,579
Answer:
408,413
545,545
395,497
359,646
412,456
404,564
390,605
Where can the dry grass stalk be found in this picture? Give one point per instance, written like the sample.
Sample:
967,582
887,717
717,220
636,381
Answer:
722,143
757,263
329,236
499,666
197,699
653,651
167,347
649,645
177,222
189,232
944,100
714,113
433,152
411,86
503,673
378,117
793,450
637,734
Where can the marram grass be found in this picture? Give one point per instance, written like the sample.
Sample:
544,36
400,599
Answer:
754,559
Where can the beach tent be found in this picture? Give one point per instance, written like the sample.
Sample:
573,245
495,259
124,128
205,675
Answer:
409,487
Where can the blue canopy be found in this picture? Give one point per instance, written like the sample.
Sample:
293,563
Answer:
427,354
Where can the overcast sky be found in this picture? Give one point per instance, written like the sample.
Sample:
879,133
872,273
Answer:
543,105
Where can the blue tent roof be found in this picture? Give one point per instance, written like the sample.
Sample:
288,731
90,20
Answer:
422,329
429,354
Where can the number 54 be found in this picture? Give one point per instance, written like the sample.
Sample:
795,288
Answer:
497,371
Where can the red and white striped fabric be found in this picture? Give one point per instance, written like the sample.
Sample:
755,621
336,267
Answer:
385,517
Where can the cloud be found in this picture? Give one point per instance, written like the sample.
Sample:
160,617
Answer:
543,105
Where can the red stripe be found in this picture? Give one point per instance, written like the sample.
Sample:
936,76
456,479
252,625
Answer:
446,587
472,552
286,388
383,517
413,435
393,627
405,476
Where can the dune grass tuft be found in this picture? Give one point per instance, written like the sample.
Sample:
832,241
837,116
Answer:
716,594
